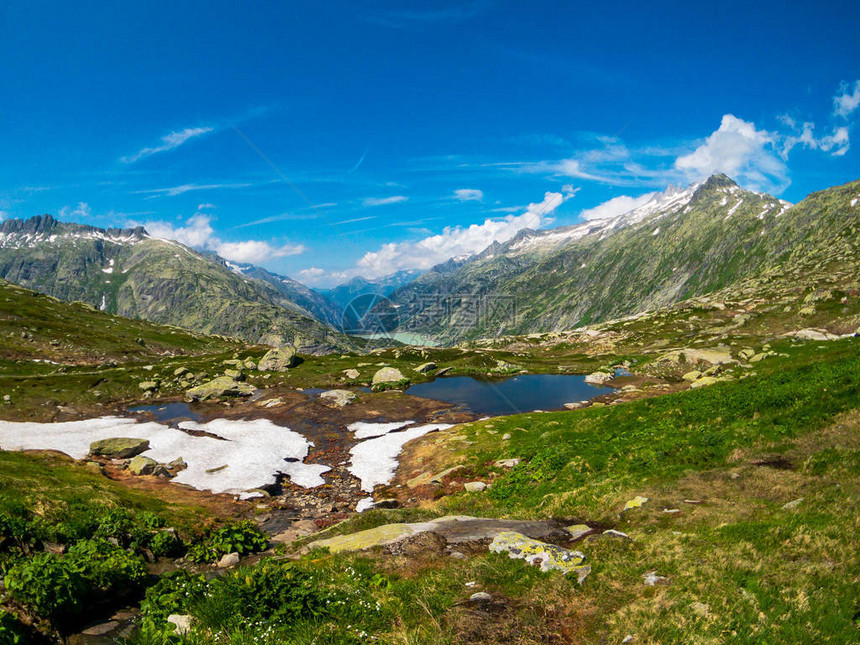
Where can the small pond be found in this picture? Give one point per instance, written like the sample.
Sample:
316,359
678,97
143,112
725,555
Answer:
523,393
169,413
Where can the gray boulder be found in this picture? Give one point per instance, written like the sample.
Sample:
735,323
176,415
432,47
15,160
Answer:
218,387
278,360
387,377
337,398
118,447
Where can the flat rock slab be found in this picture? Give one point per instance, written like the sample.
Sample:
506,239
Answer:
454,529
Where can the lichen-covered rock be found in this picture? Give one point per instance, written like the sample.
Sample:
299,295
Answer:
278,360
351,374
692,376
119,447
389,377
548,556
218,387
474,487
636,502
236,375
141,465
337,398
426,367
148,386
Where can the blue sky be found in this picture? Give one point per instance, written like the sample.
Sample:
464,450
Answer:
324,139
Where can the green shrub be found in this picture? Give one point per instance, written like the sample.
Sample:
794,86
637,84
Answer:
12,632
239,537
64,588
165,544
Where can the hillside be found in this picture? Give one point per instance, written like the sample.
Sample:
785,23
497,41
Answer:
129,273
682,243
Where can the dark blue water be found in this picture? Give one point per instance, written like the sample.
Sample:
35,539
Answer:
169,413
522,393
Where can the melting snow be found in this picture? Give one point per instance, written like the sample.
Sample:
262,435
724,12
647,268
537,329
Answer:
364,504
104,303
656,231
854,201
375,460
253,452
366,429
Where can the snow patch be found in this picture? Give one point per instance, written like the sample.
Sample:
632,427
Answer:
364,505
375,460
366,429
734,208
656,231
248,454
103,306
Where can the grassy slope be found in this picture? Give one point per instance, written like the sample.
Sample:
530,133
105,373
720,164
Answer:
767,574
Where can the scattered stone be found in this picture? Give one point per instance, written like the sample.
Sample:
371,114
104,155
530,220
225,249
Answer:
579,531
792,504
575,405
141,465
148,386
7,398
598,378
179,371
671,510
278,360
474,487
636,502
506,436
236,375
457,555
651,578
481,596
628,639
218,387
548,556
389,376
229,560
426,478
692,376
746,353
351,374
617,534
182,623
118,447
705,381
337,398
507,463
426,367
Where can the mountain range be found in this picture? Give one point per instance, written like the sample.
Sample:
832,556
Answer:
682,243
129,273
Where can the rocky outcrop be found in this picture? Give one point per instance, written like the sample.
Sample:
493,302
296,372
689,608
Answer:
548,556
453,529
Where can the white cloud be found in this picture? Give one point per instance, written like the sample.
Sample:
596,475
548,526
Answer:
456,241
847,100
3,215
384,201
81,211
186,188
168,142
837,143
206,206
615,206
256,251
469,195
198,233
738,149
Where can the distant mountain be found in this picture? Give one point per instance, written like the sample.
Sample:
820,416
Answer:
682,243
343,294
127,272
316,304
